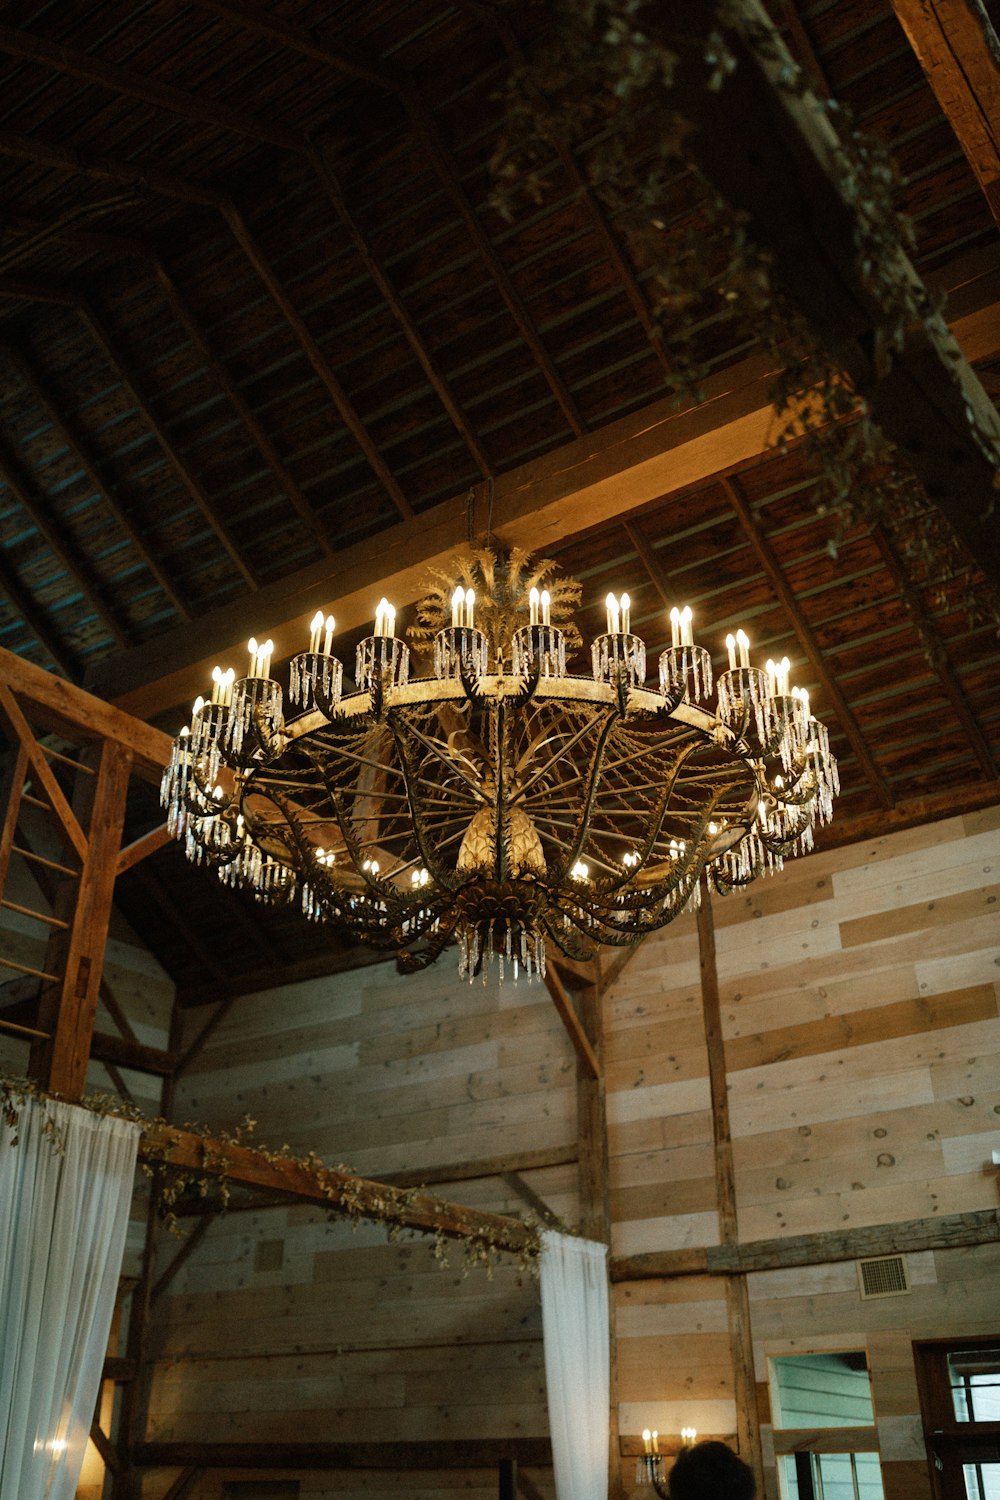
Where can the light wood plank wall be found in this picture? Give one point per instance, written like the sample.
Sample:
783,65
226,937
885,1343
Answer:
286,1325
859,999
859,995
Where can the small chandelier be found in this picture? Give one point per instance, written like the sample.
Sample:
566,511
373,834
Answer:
499,802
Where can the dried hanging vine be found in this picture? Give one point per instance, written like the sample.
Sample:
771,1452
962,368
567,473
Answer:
171,1184
599,87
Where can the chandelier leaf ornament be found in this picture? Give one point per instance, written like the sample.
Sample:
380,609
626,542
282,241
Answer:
499,803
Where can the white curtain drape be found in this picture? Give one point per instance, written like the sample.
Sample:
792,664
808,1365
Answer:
574,1278
65,1191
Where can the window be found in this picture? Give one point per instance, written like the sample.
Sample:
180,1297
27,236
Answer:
824,1427
959,1385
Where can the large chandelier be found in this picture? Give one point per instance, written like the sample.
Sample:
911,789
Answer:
499,802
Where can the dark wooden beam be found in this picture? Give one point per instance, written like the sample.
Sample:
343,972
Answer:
936,653
184,1483
121,1052
105,1447
252,18
142,848
400,1457
646,555
255,255
563,1003
32,231
327,176
145,178
944,1232
330,1189
230,987
166,904
68,1011
787,15
737,1295
29,377
38,625
806,637
448,175
192,1240
82,718
951,803
59,58
266,448
772,154
61,546
959,51
492,1166
131,383
527,1194
498,21
67,823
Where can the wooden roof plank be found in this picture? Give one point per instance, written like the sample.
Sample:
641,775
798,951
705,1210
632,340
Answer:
34,506
807,639
753,138
61,58
327,176
116,358
255,255
266,447
30,378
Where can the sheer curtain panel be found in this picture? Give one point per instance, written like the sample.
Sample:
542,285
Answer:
65,1188
574,1279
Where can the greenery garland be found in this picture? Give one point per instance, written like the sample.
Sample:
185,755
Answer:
599,89
170,1184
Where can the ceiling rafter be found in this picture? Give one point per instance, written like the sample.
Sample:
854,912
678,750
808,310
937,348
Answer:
90,164
119,80
158,182
303,39
30,378
958,49
32,232
391,297
126,373
286,480
36,622
255,255
650,562
806,637
626,276
249,17
936,652
60,546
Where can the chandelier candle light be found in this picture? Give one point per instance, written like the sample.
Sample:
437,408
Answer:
501,803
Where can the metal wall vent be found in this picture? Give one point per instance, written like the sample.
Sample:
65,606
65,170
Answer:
883,1276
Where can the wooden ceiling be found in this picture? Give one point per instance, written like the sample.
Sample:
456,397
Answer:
259,320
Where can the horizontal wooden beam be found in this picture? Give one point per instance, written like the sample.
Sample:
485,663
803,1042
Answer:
492,1166
330,1189
826,1440
952,803
105,1047
948,1232
81,717
630,463
445,1453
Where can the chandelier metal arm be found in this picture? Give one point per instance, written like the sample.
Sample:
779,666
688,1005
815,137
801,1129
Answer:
593,776
446,879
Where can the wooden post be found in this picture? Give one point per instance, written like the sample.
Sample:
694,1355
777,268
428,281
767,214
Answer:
67,1010
737,1298
592,1179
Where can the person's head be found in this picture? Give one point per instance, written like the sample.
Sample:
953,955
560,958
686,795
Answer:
710,1471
